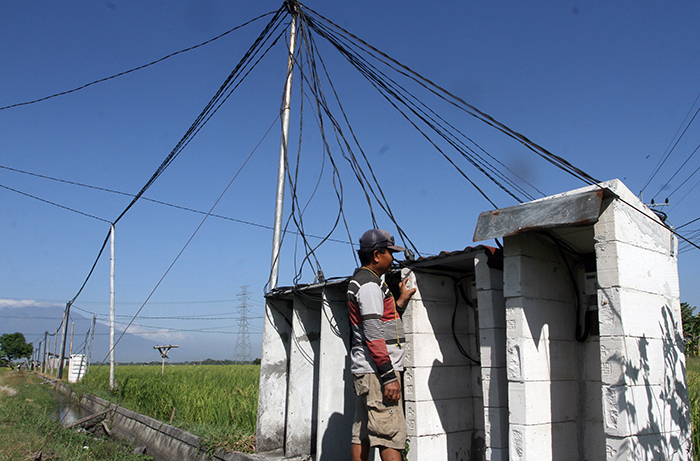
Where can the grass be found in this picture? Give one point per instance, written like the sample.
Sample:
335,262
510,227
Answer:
27,426
215,402
693,373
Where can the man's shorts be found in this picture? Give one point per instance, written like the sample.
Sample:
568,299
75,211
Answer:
377,423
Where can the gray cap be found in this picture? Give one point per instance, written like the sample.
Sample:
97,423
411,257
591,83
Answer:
377,238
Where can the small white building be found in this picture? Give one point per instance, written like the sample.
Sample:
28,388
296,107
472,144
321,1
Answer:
565,345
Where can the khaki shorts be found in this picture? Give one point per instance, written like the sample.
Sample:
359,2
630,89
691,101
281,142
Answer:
377,423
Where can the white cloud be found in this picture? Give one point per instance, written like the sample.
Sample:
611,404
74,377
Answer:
23,303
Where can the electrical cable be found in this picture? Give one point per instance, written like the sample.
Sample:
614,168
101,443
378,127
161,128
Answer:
160,202
136,68
54,204
459,103
172,264
214,104
670,149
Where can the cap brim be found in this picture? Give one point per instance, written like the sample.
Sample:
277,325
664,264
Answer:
395,248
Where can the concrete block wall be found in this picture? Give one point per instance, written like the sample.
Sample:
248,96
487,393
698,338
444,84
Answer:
443,395
492,342
644,393
551,376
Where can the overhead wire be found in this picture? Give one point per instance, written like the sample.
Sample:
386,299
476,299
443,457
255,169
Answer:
160,202
226,89
395,93
55,204
143,66
456,101
672,145
345,147
177,257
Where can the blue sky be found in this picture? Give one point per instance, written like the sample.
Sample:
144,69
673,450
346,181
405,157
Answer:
606,85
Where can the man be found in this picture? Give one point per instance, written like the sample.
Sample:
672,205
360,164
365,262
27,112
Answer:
377,350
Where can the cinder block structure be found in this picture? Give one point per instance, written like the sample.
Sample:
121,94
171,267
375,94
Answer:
565,345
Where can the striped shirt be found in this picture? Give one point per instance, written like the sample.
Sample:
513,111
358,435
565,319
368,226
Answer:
377,331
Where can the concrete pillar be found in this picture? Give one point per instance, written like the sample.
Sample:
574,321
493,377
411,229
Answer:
542,357
302,400
494,380
336,396
644,393
274,363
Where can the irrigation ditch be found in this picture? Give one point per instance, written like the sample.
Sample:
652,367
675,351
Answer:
157,439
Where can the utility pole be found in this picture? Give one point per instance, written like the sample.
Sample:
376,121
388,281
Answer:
112,381
64,334
92,338
164,354
70,349
46,348
281,172
55,339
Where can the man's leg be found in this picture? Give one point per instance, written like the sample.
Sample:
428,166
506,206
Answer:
389,454
359,452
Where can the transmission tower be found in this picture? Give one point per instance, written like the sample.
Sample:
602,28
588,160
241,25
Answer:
243,350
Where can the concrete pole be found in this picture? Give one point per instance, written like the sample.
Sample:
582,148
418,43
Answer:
64,336
70,349
112,383
281,171
55,340
46,348
92,338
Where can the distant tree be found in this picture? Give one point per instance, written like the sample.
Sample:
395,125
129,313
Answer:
691,328
14,346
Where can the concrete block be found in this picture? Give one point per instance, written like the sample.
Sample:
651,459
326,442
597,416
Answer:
543,402
437,383
647,447
525,318
530,442
620,223
628,266
613,360
436,317
497,454
641,313
592,402
496,427
486,277
492,311
591,359
436,288
479,416
593,441
634,410
529,360
537,278
444,447
530,245
493,347
494,382
425,350
439,416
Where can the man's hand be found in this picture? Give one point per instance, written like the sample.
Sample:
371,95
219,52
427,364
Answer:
405,294
392,392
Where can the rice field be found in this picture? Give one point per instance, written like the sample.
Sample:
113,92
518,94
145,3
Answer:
216,402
